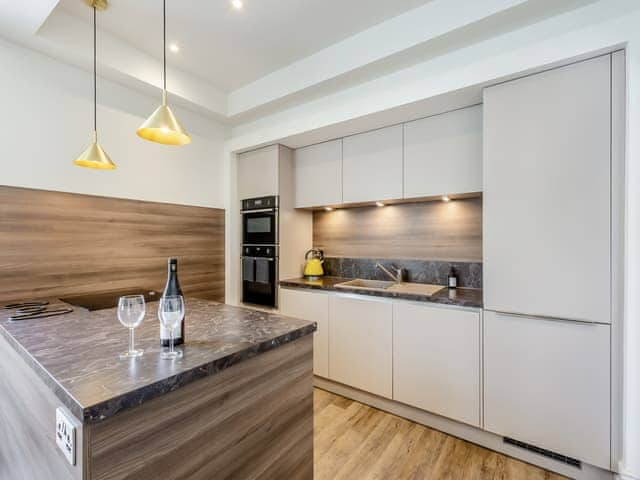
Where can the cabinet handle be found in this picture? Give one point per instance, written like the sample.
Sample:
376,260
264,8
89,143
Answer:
544,317
268,259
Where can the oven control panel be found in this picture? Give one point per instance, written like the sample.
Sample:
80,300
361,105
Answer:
260,203
270,251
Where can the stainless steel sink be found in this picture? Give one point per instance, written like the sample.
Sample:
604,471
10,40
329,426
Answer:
366,284
408,288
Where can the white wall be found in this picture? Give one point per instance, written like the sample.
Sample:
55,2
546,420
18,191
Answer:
632,290
46,121
594,28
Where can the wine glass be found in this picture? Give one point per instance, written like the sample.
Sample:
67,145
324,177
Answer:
131,311
171,314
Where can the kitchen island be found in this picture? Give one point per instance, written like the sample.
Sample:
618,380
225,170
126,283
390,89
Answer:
238,404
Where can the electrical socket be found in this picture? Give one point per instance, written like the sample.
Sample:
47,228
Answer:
66,435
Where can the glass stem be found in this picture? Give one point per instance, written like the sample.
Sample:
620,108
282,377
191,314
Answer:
171,341
131,339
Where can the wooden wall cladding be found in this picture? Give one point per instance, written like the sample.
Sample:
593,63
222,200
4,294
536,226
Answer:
54,244
432,230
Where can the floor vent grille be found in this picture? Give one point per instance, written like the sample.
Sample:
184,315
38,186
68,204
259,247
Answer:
541,451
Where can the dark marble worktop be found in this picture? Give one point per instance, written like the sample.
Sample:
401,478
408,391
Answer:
462,297
77,354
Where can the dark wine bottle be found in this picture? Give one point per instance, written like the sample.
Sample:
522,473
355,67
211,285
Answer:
172,288
452,279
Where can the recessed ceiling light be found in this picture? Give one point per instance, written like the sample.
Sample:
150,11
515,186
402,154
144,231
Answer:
174,48
237,4
328,209
379,204
445,198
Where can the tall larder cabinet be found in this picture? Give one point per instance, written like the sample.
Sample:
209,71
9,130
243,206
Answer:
550,245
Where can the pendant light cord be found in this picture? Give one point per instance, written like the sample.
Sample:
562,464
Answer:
95,88
164,44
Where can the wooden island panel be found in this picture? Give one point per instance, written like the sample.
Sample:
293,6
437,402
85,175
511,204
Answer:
253,420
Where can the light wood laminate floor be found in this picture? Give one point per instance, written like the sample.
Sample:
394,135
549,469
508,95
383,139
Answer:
356,442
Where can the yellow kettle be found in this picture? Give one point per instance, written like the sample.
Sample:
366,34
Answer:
314,259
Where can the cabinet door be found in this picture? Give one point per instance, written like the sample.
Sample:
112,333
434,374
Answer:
436,360
318,175
258,173
312,306
360,344
372,165
547,192
546,383
443,154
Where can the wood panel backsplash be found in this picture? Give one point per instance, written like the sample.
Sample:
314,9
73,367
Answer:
427,230
55,244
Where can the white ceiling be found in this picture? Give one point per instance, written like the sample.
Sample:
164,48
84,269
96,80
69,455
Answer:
231,48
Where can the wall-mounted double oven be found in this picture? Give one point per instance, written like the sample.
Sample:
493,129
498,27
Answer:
260,250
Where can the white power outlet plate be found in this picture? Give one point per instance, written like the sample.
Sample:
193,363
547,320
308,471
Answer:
66,435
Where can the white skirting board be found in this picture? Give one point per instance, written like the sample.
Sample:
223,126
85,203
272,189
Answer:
465,432
626,476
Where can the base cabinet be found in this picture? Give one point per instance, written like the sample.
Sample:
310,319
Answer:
436,360
313,307
360,343
547,383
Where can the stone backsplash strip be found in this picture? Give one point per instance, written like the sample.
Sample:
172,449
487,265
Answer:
419,271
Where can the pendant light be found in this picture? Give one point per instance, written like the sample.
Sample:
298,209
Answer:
163,126
94,156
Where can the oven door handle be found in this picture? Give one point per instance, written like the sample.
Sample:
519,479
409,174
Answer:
262,210
268,259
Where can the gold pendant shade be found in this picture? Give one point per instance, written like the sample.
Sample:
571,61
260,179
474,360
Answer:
95,157
163,126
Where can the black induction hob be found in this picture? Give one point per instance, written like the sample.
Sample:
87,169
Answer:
109,299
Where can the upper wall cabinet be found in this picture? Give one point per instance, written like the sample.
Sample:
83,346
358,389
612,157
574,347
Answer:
443,154
547,193
318,175
258,172
372,165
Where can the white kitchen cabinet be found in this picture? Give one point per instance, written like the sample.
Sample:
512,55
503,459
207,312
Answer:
314,307
372,165
318,175
258,172
547,383
436,360
360,343
547,207
443,154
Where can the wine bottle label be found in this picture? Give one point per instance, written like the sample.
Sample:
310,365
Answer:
166,335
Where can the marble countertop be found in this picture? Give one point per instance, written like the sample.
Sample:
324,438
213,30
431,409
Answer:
77,354
462,297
